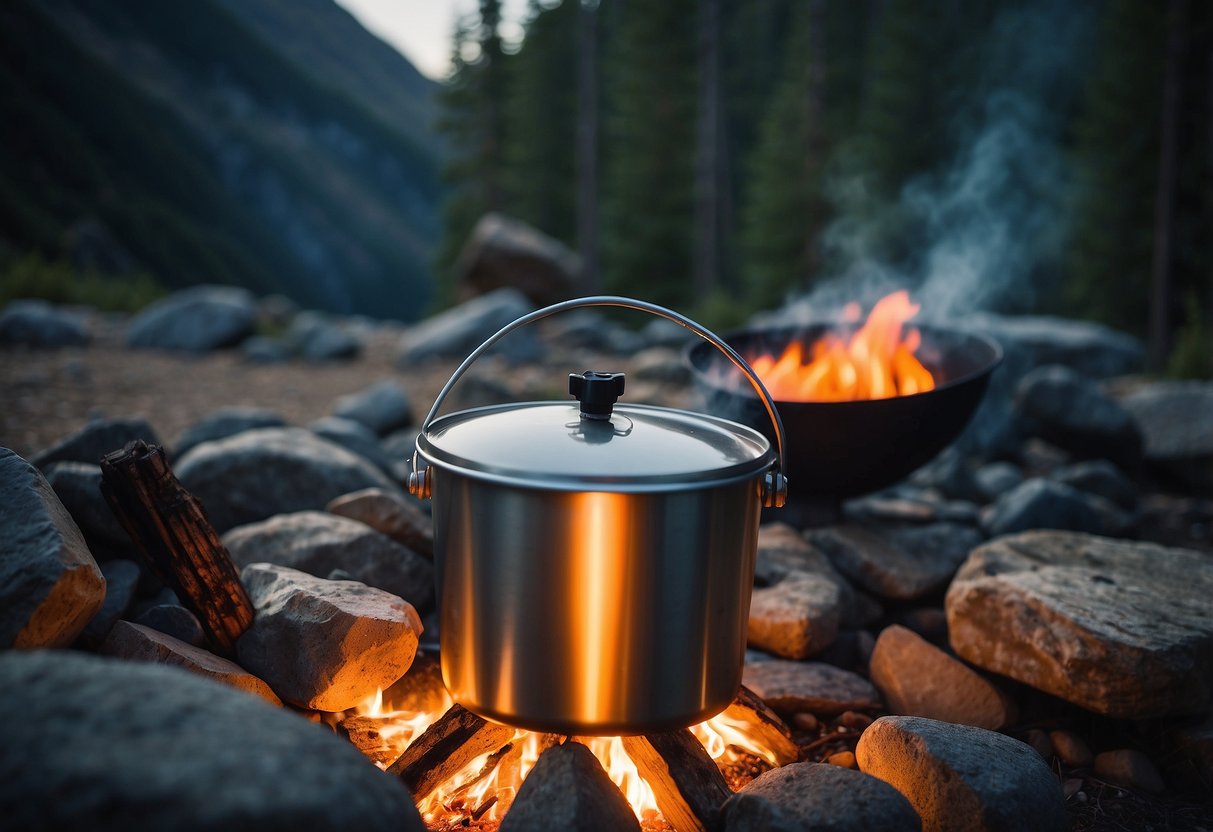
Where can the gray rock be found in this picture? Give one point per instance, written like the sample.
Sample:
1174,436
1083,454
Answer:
797,604
318,543
260,473
390,514
1101,478
261,349
198,319
36,323
138,643
383,407
121,581
792,687
918,679
108,745
997,478
812,797
952,474
315,338
355,437
1088,348
504,252
1071,411
1041,504
95,440
78,486
915,563
326,645
276,310
225,422
1176,419
173,620
50,586
1118,627
457,331
962,778
568,789
660,332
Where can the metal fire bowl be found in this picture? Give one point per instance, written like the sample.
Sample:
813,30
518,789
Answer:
844,449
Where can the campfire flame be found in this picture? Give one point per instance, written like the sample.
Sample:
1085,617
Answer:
484,789
876,361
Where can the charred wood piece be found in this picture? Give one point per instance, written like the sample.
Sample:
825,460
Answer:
762,725
457,738
688,786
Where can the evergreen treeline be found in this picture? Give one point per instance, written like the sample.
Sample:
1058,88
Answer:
748,149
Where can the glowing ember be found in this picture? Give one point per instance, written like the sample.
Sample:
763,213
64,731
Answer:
877,361
481,793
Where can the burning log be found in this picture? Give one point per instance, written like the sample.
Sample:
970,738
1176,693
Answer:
169,526
688,786
446,747
762,725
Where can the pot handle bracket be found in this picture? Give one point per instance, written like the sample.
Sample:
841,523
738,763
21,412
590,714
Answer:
774,490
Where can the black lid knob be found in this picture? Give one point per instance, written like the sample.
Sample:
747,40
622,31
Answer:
597,392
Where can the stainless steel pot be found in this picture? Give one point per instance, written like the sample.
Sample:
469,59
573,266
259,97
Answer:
595,562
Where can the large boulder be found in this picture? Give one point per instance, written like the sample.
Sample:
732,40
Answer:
503,252
1118,627
259,473
198,319
962,778
107,745
50,586
1176,419
321,544
95,440
36,323
326,645
456,332
821,798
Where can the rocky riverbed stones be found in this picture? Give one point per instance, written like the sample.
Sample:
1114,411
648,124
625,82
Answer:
36,323
822,798
876,562
121,581
382,407
319,544
958,777
50,586
1119,627
1072,412
105,744
355,437
143,644
916,678
793,687
457,331
198,319
95,440
225,422
78,486
1176,418
1039,503
260,473
390,514
325,645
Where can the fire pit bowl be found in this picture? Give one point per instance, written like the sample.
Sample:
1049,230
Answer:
847,448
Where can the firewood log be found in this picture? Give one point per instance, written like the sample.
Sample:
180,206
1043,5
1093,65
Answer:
457,738
688,786
170,528
763,725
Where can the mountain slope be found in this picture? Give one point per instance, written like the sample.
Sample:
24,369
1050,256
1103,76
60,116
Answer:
208,154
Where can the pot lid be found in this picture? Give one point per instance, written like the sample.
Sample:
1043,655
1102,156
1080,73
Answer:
595,444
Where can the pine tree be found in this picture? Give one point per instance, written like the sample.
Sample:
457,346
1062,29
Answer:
649,150
472,121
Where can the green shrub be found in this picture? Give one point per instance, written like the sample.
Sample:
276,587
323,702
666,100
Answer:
32,276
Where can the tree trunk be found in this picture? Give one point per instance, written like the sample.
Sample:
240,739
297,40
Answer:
587,148
707,156
1162,300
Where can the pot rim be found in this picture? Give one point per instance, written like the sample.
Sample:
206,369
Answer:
445,460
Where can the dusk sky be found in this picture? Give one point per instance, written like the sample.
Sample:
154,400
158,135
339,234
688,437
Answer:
421,29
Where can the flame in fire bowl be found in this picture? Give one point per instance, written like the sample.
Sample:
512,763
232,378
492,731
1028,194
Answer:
846,448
